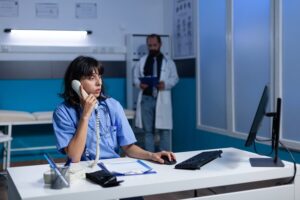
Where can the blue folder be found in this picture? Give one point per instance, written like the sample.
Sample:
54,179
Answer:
145,169
152,81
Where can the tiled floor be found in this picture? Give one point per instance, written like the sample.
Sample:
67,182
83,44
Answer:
3,187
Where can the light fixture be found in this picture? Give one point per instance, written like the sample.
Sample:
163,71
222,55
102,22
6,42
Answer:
59,32
47,37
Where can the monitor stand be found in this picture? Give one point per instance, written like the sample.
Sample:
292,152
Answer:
265,162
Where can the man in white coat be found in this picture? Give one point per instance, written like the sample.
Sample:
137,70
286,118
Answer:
154,105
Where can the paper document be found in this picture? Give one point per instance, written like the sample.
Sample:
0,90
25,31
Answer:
125,168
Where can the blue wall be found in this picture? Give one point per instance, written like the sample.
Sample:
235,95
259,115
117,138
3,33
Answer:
29,95
42,95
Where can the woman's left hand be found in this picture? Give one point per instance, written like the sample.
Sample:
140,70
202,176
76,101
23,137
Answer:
157,156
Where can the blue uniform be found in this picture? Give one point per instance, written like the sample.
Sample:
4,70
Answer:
115,130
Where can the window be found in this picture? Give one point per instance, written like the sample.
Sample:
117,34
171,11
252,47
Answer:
244,45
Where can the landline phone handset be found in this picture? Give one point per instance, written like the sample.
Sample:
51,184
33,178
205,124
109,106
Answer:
76,87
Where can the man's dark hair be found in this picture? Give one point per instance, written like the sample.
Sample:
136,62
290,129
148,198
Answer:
153,35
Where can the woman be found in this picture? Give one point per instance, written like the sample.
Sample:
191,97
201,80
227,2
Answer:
76,120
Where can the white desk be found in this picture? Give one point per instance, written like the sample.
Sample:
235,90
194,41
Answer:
232,168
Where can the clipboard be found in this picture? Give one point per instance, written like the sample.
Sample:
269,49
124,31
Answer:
152,81
127,168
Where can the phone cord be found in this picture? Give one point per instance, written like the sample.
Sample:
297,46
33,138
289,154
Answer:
98,139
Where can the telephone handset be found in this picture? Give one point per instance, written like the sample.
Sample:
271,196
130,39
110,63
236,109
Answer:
76,87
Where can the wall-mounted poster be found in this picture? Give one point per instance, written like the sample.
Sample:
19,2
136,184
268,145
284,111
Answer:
46,10
183,26
9,8
86,10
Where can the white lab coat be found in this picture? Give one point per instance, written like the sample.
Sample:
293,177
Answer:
163,113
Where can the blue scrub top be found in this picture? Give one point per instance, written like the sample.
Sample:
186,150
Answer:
115,130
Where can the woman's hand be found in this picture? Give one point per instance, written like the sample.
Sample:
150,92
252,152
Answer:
157,156
87,103
135,151
78,142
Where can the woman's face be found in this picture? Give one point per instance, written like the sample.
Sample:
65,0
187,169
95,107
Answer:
92,84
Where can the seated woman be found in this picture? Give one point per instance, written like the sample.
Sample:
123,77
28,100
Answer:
78,120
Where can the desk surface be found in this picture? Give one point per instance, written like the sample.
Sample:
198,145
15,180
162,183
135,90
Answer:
232,168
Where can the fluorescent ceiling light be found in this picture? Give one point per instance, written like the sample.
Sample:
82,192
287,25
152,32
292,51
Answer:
25,31
47,35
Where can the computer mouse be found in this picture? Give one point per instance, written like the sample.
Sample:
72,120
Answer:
167,161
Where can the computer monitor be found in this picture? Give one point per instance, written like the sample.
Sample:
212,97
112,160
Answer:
258,118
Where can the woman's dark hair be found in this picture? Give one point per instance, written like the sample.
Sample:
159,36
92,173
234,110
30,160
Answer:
82,66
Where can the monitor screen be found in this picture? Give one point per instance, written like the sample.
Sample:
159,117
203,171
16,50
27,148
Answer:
258,118
259,115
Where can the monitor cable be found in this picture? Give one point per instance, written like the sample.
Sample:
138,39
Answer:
290,153
294,161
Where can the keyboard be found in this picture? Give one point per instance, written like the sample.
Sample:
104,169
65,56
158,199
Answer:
199,160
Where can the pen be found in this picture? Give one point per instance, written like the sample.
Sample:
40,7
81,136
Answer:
101,165
54,167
